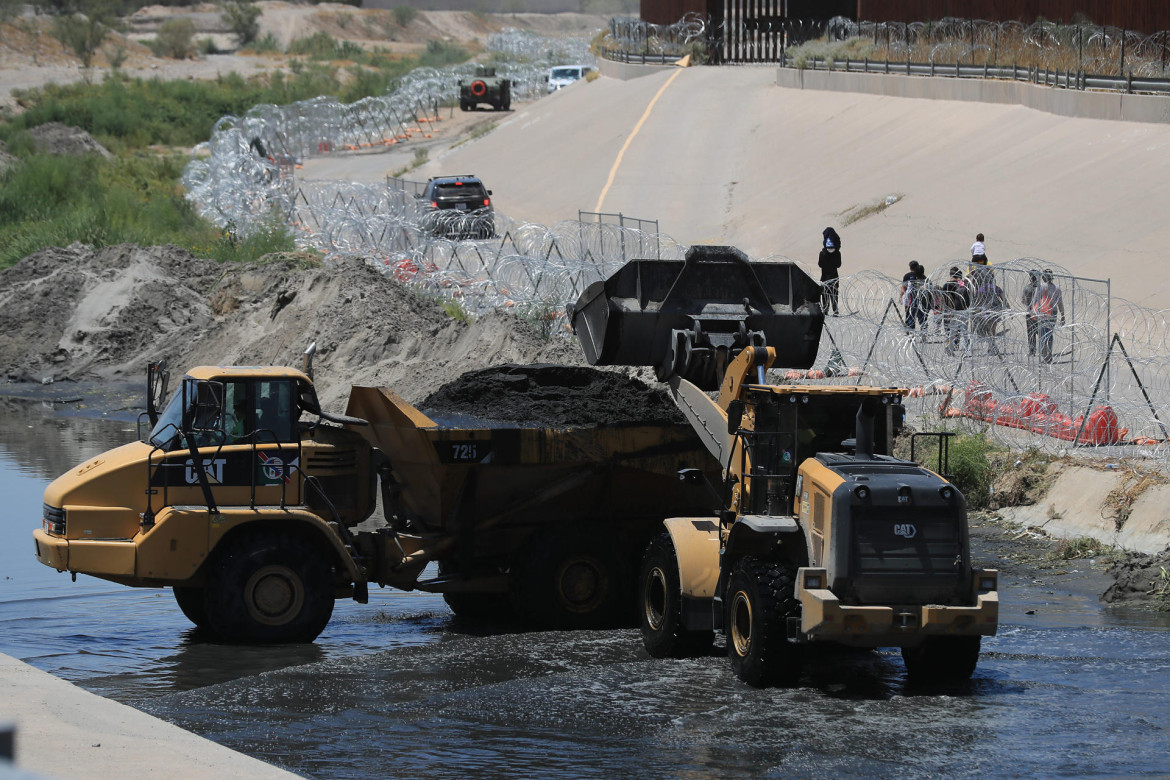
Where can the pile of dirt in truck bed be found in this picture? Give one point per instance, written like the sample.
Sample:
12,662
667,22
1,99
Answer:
550,396
84,314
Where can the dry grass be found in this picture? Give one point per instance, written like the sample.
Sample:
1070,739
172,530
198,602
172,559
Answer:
1119,503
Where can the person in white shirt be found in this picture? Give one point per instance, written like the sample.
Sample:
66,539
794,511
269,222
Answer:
979,251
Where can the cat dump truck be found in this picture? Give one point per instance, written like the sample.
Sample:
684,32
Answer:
257,507
823,536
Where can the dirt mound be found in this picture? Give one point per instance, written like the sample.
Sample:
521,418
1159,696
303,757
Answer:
85,314
56,138
1140,580
550,396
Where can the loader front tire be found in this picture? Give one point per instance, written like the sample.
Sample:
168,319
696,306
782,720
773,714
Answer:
660,605
760,599
942,659
269,587
192,602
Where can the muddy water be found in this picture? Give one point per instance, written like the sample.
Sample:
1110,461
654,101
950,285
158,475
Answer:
397,688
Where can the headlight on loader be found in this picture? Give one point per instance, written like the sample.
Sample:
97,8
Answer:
53,520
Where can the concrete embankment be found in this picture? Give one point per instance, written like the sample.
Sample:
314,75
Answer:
64,731
1062,102
1115,505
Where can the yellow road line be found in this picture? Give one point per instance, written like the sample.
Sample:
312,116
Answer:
618,162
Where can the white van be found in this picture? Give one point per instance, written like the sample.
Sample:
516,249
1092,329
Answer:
564,75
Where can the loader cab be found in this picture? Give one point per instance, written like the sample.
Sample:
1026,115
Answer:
783,425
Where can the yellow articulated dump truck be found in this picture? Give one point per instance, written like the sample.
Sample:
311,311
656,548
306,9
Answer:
256,507
823,535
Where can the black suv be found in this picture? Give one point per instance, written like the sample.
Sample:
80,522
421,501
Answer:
457,207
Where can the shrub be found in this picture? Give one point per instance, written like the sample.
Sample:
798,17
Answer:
267,44
439,54
175,39
207,46
323,46
243,19
83,33
971,468
404,15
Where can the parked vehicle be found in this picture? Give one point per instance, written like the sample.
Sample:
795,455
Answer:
563,75
485,87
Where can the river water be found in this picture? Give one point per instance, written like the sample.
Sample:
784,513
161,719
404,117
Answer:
397,688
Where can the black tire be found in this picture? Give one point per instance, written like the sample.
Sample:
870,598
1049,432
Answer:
660,606
572,579
463,106
481,607
760,598
478,607
191,601
942,659
268,587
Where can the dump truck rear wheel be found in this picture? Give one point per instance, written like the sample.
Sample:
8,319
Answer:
760,599
191,601
571,580
269,587
942,659
660,605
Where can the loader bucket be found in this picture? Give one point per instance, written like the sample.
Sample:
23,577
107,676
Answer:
690,318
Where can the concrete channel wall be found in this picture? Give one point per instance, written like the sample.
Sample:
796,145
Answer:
1062,102
64,731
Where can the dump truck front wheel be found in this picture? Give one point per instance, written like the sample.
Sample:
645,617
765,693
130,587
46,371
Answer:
269,587
192,602
942,659
760,598
660,605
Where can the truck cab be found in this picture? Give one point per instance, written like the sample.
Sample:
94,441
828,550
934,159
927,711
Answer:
231,498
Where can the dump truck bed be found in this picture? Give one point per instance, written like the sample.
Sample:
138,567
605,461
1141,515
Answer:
467,481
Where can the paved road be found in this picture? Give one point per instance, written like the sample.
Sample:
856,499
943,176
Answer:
726,156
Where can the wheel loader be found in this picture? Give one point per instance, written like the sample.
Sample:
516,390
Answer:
823,536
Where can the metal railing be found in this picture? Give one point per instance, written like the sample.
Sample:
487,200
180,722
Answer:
639,57
1078,80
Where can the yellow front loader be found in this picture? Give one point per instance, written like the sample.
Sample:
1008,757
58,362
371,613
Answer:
823,535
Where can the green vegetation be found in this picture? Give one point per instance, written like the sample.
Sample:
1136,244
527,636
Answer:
83,30
136,197
54,201
323,46
1080,547
404,15
175,39
1161,591
243,18
440,54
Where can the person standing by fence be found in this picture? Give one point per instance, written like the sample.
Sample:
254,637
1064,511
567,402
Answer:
1047,302
915,296
1030,317
830,265
955,299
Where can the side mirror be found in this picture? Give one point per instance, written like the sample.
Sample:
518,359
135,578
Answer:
734,416
489,192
